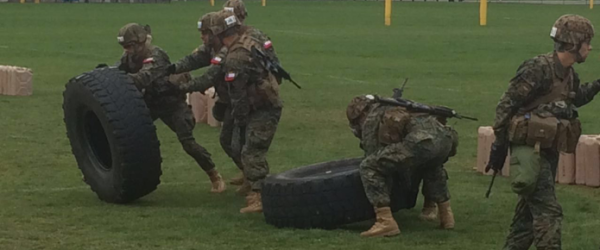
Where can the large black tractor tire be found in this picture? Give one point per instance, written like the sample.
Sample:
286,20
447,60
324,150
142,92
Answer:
325,195
112,135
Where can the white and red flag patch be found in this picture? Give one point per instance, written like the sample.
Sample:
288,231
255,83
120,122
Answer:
148,60
268,44
230,77
216,60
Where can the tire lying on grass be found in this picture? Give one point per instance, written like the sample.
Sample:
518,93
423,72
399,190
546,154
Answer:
112,135
325,195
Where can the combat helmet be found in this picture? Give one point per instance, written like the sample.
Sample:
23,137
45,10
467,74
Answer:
357,111
132,33
206,21
237,7
221,22
572,29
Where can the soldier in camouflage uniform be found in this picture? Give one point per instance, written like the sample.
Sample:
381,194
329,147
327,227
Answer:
255,103
537,118
212,53
397,141
145,64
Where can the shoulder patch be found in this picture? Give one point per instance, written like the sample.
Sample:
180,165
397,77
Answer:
268,44
230,20
216,60
148,60
230,77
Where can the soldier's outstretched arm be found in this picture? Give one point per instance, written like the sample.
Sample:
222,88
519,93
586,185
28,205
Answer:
199,58
151,71
205,81
586,92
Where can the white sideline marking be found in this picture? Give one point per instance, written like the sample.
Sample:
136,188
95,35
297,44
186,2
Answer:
61,189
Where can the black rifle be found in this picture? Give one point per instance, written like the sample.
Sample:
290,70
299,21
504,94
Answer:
397,100
399,91
273,66
423,108
487,194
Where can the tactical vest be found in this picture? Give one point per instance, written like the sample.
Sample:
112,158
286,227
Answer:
387,125
263,89
383,126
550,120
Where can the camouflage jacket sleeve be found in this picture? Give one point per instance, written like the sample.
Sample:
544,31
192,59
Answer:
152,71
238,73
586,92
206,80
199,58
122,63
529,77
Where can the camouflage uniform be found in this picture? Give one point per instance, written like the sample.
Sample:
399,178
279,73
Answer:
256,106
538,216
421,144
164,101
399,142
215,77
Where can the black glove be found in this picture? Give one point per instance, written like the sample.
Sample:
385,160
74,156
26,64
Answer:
170,70
102,65
497,157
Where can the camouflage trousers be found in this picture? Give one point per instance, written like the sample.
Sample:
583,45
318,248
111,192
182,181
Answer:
179,118
226,138
412,156
435,183
538,216
258,135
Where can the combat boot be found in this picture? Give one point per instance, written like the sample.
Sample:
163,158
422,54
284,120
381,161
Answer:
217,183
385,224
253,203
429,211
446,215
238,180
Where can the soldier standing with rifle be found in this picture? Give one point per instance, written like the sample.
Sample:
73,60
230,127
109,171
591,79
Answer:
536,119
254,97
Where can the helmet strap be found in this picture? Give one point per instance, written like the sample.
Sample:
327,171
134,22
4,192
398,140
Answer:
576,51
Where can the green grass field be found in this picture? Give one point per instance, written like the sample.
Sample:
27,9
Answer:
336,50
